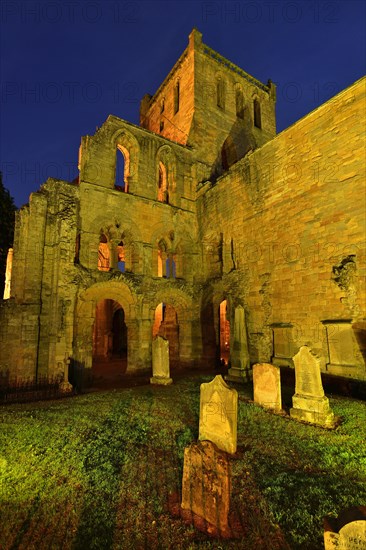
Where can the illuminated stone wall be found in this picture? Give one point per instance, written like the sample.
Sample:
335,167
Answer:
210,206
291,217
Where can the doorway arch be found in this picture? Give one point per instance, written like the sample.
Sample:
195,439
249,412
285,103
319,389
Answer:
109,341
224,333
96,326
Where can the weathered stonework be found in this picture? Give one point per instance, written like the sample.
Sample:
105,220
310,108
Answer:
210,207
160,362
309,402
206,486
347,531
267,386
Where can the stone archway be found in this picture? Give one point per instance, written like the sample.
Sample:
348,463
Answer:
182,326
113,296
215,327
110,341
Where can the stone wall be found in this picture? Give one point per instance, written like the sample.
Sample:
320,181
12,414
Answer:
291,216
189,225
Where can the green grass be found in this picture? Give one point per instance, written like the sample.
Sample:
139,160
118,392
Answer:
102,470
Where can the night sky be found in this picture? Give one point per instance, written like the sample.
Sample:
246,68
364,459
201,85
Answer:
67,65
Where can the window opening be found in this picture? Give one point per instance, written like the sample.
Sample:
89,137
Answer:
257,114
176,97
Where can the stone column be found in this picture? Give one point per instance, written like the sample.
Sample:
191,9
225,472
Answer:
185,342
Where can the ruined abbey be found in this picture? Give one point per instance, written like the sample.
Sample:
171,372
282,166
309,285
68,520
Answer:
202,225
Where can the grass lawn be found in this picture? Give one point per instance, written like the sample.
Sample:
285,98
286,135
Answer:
103,470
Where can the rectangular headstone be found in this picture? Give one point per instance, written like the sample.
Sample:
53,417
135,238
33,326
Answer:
267,385
309,401
160,361
219,414
206,485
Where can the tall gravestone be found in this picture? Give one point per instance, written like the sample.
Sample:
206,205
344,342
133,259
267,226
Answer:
160,362
347,531
267,385
309,402
239,355
219,414
206,486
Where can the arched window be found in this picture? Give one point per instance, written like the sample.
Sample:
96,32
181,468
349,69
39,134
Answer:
103,254
163,195
257,114
122,169
239,102
160,263
229,155
121,260
220,93
176,96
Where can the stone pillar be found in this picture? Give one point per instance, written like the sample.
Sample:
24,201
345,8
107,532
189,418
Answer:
185,342
239,355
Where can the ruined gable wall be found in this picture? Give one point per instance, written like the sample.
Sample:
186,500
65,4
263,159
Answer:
34,319
98,159
295,209
137,216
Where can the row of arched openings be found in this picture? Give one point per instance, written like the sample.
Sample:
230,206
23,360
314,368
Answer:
166,260
110,336
239,102
123,174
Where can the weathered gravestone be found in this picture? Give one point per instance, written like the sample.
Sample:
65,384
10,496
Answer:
160,361
206,486
309,401
348,531
219,414
267,385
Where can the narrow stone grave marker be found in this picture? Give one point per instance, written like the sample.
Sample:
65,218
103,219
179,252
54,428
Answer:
348,531
239,354
160,362
267,385
206,486
309,402
219,414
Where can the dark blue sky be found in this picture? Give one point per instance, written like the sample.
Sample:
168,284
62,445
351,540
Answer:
66,65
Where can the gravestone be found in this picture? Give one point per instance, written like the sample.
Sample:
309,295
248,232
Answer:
160,362
348,531
219,414
206,486
239,355
309,402
267,385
